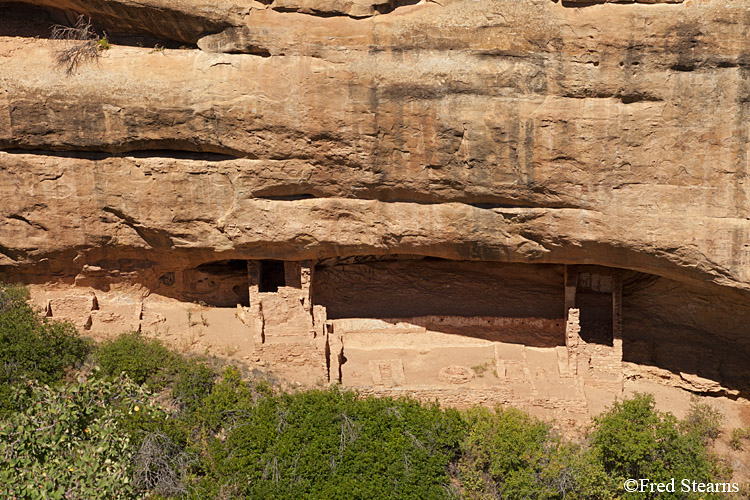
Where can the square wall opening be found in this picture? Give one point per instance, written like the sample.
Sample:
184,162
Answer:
272,275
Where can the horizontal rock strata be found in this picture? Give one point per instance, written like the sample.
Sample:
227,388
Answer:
563,137
534,132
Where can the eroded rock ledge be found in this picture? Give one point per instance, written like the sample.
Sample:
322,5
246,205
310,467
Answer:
183,21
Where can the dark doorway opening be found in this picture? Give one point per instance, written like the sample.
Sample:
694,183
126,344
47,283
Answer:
271,275
596,317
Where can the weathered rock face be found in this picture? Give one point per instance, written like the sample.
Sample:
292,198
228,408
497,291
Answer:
533,132
172,19
578,139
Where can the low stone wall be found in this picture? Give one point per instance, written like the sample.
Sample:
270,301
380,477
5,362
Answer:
468,397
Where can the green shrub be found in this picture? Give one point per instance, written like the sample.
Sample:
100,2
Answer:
634,440
231,399
143,359
702,420
573,472
68,441
499,449
511,455
738,436
193,384
103,44
32,347
332,444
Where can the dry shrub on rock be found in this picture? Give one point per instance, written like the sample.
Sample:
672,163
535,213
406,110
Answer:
86,44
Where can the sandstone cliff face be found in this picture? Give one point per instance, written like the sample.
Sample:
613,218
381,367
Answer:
533,132
615,135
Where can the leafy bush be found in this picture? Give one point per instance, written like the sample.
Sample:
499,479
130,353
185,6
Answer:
231,400
509,454
332,444
32,347
702,420
148,361
634,440
143,359
68,442
194,382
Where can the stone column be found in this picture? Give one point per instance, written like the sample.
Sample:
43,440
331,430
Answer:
307,269
334,352
617,316
571,283
253,279
572,321
253,316
573,339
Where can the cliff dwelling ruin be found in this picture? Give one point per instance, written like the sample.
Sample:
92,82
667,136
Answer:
479,202
562,338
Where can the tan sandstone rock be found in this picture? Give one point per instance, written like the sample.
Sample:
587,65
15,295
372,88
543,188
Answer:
533,132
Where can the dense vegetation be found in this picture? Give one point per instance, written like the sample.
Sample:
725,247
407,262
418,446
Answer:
132,419
31,347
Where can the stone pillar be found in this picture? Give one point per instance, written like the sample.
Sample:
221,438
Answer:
253,280
573,338
252,316
307,269
572,319
617,316
573,329
571,283
334,352
179,281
